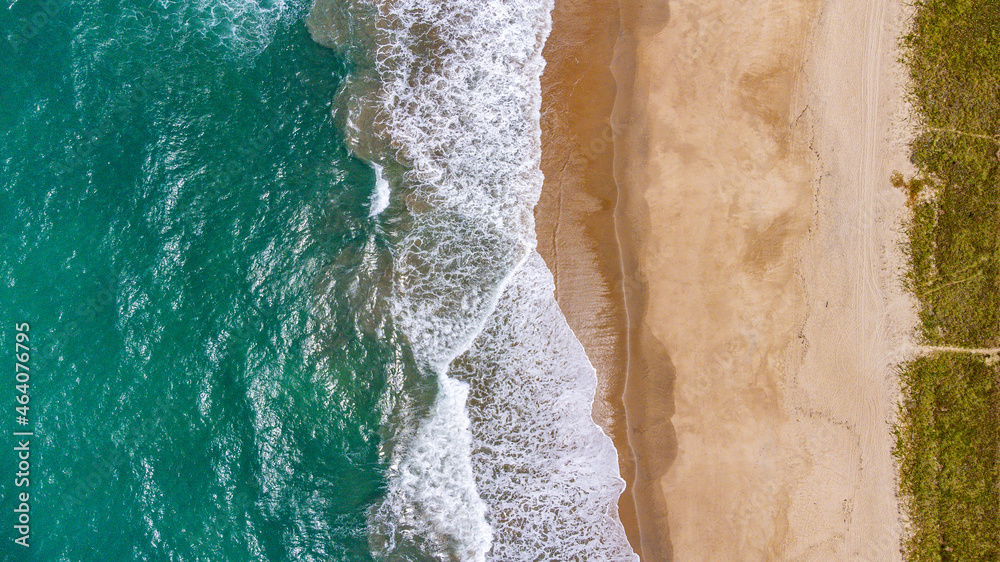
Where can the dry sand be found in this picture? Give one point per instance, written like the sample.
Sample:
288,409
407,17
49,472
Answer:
760,239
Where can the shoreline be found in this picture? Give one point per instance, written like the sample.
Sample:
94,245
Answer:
587,97
575,214
759,272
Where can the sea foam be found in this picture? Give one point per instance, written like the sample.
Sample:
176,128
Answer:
547,472
450,89
380,197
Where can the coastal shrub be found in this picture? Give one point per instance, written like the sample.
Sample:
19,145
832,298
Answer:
948,430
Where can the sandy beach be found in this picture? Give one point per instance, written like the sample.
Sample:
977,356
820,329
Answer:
575,215
756,233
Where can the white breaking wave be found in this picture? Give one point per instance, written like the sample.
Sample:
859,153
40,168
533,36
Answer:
458,99
432,502
451,90
460,96
547,472
380,197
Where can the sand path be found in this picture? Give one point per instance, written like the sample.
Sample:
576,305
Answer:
847,377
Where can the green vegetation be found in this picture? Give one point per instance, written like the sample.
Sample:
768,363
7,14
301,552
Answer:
948,433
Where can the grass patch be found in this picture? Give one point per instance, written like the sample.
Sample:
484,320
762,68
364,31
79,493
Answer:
947,443
948,432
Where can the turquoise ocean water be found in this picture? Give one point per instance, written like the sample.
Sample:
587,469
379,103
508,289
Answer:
241,346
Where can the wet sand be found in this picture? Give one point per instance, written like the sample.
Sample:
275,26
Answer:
756,235
578,237
575,215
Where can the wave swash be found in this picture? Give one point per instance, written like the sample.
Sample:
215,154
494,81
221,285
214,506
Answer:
506,464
